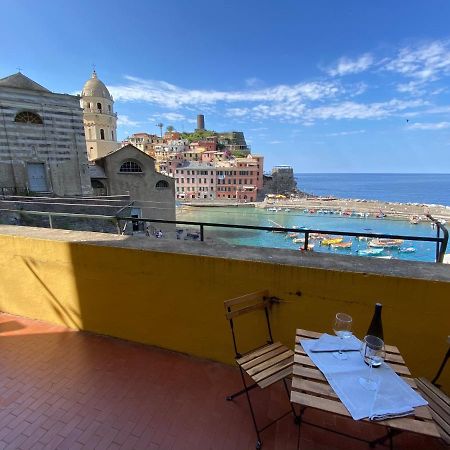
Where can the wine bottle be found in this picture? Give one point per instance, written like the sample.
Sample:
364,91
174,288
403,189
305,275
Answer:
376,327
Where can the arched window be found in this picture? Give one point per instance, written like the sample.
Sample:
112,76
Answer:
99,107
109,108
102,134
28,117
162,184
130,167
112,135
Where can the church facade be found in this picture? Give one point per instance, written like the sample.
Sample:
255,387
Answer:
42,143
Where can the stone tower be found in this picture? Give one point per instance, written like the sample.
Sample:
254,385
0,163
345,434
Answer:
100,120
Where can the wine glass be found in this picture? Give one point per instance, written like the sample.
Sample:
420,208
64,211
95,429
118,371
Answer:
373,353
342,328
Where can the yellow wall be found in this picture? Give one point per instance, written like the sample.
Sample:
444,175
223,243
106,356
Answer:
175,301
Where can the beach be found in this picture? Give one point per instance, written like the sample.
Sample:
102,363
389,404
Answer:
392,210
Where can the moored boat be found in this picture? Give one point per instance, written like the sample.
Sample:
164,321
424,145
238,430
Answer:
332,241
406,250
385,243
341,245
298,240
370,252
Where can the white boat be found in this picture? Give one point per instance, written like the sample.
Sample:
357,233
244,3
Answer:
384,257
272,209
406,250
370,252
287,209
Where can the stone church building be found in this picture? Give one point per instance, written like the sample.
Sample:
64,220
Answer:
42,144
129,170
126,170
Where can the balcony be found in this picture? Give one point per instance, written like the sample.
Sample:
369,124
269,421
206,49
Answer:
61,388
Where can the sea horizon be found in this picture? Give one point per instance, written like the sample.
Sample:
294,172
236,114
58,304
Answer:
423,188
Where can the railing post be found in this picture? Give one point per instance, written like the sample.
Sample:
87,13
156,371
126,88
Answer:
438,232
306,240
202,237
50,221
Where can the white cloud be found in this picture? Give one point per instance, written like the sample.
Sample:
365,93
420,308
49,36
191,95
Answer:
430,126
346,66
123,121
346,133
253,82
175,117
352,110
338,111
426,62
275,142
172,96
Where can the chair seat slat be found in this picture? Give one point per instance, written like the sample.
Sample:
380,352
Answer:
270,362
258,352
273,369
266,356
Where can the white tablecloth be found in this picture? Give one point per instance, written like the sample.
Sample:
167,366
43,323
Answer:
393,397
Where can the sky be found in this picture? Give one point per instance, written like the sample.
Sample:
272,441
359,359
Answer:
324,86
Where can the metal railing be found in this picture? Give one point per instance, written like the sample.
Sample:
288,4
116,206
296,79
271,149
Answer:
441,242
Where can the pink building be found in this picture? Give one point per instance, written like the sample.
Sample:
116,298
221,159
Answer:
195,180
239,179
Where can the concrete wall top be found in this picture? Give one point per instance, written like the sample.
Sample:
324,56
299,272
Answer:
356,264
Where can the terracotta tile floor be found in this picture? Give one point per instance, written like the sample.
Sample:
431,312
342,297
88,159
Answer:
61,389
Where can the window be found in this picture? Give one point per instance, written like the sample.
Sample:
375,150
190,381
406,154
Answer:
112,135
99,107
109,108
102,134
130,167
162,184
28,117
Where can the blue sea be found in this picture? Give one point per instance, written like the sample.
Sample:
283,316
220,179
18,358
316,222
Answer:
390,187
424,251
404,188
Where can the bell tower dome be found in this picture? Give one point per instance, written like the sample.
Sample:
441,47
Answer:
100,120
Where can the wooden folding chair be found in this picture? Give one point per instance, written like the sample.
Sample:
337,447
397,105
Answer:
266,364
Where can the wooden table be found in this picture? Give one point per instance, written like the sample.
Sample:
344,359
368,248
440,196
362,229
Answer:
311,389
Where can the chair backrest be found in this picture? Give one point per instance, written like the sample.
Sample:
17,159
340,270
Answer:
235,307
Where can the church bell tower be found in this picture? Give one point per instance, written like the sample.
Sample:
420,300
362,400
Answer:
100,120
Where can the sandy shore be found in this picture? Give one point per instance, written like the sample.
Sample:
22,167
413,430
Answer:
390,209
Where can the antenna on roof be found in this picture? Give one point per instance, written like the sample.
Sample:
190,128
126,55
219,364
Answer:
19,69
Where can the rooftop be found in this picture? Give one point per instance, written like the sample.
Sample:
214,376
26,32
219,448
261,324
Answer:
63,389
20,81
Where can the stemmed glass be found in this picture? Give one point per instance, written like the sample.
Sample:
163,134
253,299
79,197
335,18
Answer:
342,328
373,353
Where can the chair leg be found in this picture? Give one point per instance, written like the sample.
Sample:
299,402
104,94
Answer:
296,418
258,442
242,391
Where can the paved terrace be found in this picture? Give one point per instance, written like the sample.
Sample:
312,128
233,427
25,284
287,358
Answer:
64,389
